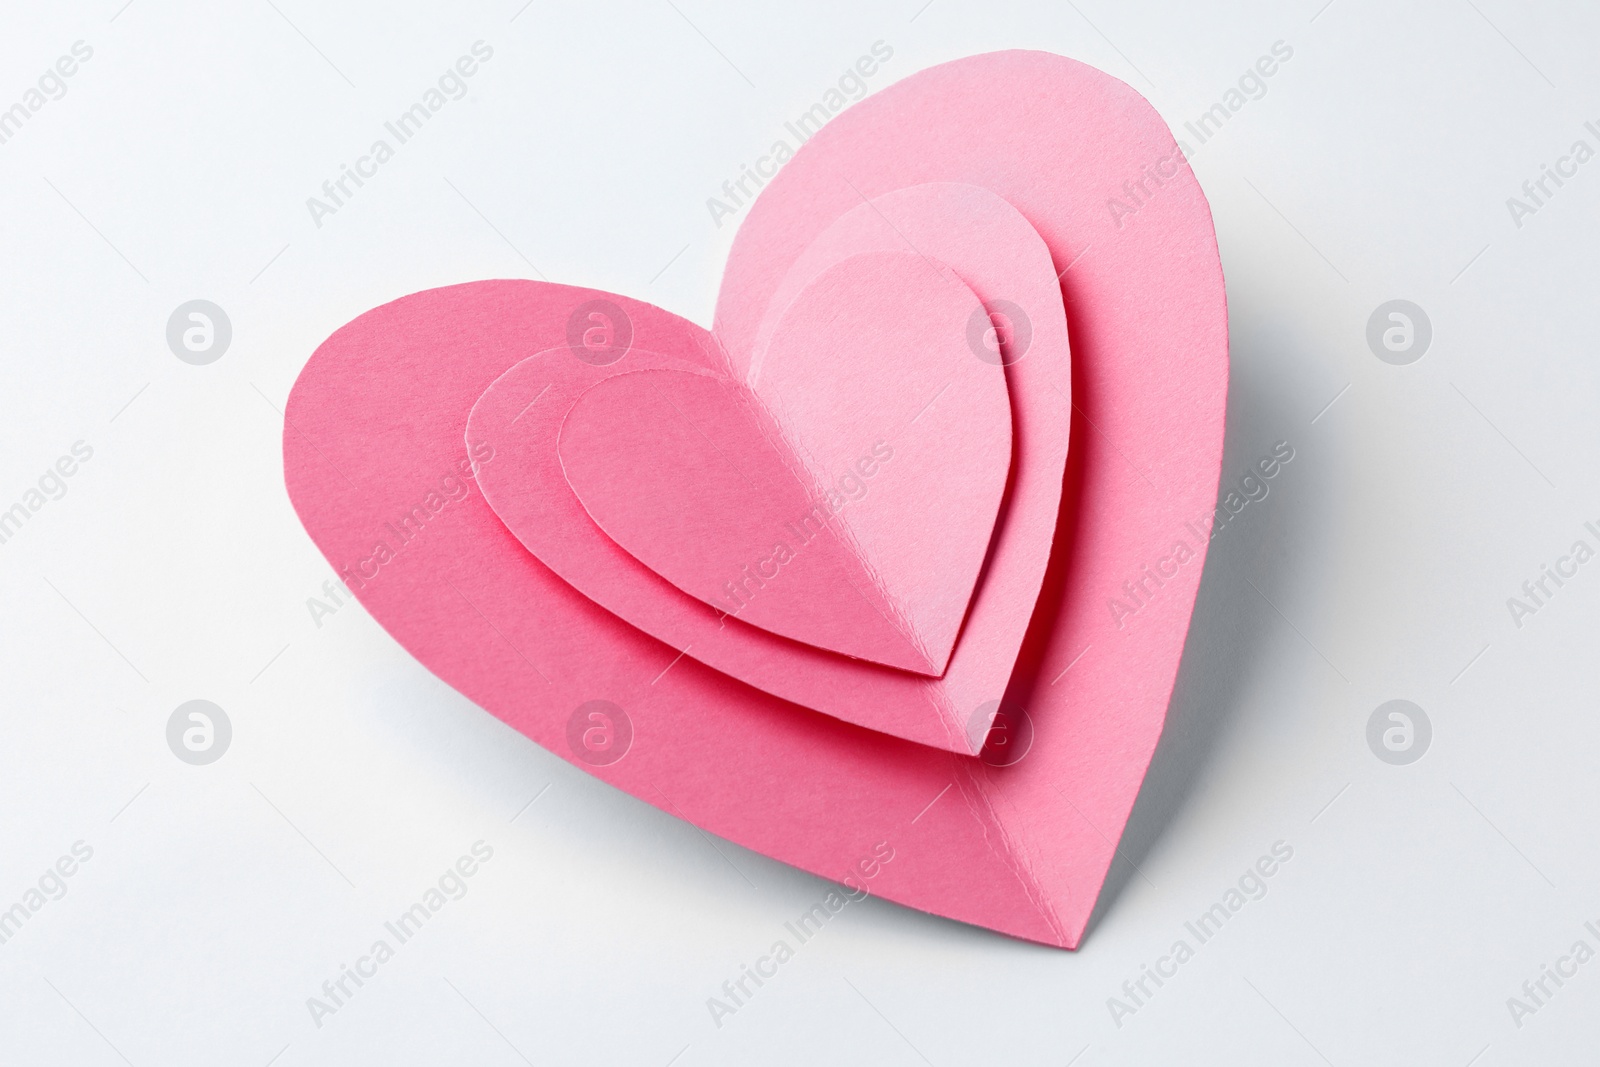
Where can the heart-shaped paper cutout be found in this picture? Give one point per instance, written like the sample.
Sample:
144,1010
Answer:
848,502
373,434
1002,259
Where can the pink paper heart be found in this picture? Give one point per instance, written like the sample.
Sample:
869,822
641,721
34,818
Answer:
1002,259
847,501
373,429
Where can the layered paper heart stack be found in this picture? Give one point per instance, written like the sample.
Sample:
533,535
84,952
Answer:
881,562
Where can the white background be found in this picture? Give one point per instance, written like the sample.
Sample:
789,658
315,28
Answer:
218,898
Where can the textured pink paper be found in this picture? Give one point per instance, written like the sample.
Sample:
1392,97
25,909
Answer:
997,252
850,504
374,424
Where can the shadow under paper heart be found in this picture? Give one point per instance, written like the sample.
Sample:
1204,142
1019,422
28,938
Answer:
1230,631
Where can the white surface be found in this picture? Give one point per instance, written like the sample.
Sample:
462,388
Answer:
219,898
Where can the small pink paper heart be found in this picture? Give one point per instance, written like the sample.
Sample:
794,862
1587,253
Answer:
848,500
1002,259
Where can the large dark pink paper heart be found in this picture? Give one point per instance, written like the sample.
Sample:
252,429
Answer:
375,422
848,501
998,255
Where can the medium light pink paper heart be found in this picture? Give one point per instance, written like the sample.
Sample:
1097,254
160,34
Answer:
1001,258
847,503
374,422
